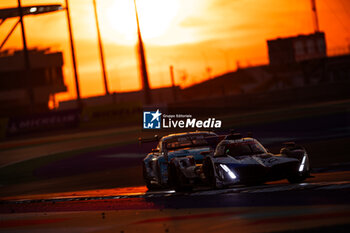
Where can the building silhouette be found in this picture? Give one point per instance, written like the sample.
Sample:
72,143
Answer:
29,91
297,48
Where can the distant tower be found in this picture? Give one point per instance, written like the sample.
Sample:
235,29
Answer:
315,17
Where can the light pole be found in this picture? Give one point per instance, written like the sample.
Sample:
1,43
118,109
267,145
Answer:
77,87
315,17
24,40
142,60
171,68
104,73
26,56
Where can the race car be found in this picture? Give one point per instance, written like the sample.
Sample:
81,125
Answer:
238,160
156,163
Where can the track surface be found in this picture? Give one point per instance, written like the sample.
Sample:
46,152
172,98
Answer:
319,202
88,161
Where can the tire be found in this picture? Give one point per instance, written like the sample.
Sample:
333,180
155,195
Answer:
297,178
208,169
301,176
171,175
149,185
177,180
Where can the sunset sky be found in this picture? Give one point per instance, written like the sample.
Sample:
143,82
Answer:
191,35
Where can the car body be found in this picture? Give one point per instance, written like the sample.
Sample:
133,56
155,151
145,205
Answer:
238,160
156,163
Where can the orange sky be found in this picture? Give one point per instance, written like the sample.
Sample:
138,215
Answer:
191,35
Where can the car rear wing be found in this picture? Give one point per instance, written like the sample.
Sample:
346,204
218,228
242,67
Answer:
214,140
156,138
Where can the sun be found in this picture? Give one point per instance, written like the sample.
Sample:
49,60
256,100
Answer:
155,17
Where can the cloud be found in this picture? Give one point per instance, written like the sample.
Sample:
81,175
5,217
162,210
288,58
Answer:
193,22
223,3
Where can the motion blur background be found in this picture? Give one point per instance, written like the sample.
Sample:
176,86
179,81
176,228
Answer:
277,68
201,39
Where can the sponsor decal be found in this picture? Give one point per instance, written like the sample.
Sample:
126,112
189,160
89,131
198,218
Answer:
43,122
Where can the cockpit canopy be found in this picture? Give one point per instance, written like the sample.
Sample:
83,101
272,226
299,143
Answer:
187,140
239,148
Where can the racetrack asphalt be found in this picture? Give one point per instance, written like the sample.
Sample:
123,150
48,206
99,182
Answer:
276,206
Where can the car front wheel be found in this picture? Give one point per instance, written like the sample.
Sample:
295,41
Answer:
297,178
149,185
177,180
208,169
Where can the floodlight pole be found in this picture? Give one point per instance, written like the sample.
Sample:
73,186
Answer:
103,66
24,40
73,56
142,60
171,68
26,55
315,16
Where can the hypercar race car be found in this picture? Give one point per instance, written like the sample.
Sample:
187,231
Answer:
156,163
221,161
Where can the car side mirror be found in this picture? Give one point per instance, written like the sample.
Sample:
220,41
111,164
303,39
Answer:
155,150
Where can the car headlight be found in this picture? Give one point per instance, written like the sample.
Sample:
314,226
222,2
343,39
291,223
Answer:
231,174
302,164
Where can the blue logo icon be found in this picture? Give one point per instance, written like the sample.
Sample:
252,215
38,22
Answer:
151,120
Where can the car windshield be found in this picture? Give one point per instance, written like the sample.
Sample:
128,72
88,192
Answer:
186,141
244,148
